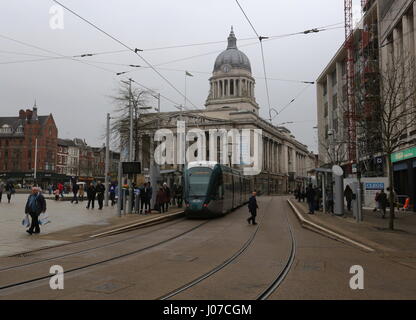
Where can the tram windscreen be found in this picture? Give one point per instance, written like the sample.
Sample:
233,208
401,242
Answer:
198,181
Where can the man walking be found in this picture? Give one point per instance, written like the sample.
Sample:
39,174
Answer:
382,199
35,205
252,208
149,194
9,191
100,195
166,189
75,189
348,196
91,195
310,198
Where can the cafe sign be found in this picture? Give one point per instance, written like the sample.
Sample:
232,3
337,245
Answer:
403,155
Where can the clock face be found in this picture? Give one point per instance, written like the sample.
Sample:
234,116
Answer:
226,68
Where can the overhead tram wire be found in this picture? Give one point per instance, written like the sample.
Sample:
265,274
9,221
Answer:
136,50
60,56
294,99
262,57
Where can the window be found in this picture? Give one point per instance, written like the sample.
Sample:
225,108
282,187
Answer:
6,129
325,89
326,109
335,124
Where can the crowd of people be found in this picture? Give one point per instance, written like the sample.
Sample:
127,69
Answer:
313,196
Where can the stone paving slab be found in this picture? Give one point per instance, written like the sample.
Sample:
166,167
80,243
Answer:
373,231
69,222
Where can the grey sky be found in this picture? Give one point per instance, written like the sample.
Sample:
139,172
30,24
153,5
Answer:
78,94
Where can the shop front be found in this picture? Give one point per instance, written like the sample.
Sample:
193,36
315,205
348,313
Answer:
404,168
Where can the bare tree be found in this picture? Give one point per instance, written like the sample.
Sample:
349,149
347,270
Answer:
120,128
383,123
335,150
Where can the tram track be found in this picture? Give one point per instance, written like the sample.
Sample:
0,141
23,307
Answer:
263,295
101,262
88,249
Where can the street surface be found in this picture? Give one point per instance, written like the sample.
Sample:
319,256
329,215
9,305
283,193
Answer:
222,258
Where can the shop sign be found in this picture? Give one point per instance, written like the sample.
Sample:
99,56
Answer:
403,155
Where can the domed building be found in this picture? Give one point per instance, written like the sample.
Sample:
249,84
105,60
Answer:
231,83
231,104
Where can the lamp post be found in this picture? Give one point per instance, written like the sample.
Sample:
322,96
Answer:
107,160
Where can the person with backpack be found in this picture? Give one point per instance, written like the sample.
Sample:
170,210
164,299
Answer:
310,198
113,194
252,208
35,205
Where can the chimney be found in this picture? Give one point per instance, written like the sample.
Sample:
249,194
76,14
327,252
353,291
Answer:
29,114
22,114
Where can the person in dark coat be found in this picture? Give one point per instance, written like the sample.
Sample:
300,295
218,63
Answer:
9,191
149,194
166,189
91,191
348,196
310,198
382,199
252,208
75,189
143,198
35,205
179,195
113,194
160,200
100,189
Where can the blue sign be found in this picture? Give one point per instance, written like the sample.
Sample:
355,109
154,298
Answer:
374,185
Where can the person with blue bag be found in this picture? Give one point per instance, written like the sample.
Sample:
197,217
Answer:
35,205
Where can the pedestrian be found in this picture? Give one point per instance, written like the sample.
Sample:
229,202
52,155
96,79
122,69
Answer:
310,198
81,193
377,200
166,189
149,194
91,195
297,193
382,198
252,208
50,189
348,196
56,193
75,189
113,194
9,191
330,201
61,189
100,189
35,205
174,194
160,200
179,194
143,198
1,189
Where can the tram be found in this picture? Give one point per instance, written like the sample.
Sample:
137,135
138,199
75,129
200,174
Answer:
212,189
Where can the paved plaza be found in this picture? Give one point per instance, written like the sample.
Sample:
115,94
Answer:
62,214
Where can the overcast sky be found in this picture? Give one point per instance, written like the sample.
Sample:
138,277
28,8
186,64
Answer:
78,95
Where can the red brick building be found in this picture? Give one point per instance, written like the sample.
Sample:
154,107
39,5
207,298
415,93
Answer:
18,136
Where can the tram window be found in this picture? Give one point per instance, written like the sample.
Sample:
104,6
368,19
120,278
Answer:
198,181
